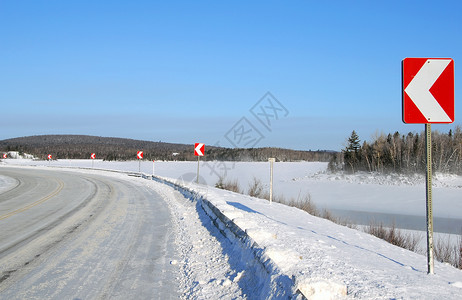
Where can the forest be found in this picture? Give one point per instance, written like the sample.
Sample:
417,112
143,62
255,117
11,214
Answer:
401,153
107,148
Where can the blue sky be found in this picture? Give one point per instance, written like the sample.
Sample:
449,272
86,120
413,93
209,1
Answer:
190,71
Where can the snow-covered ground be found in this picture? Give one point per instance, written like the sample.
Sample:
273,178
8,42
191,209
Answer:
327,260
322,258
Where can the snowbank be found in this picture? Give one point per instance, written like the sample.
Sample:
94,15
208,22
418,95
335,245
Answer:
17,155
318,259
275,283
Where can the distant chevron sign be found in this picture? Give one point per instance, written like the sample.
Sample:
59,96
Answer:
428,90
199,149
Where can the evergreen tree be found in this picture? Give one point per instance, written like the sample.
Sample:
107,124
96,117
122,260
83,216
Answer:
351,154
353,142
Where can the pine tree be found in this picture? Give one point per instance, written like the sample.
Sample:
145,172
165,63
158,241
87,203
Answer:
351,153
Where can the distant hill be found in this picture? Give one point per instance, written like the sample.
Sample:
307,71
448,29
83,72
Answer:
110,148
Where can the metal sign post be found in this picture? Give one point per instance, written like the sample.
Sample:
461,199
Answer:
198,162
92,158
139,155
422,106
271,160
153,167
428,142
199,150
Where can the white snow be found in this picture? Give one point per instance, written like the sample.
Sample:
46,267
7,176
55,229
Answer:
285,246
326,259
17,155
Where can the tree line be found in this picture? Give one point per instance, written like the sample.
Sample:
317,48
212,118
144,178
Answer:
401,153
262,154
81,147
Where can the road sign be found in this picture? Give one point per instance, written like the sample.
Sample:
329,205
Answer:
428,90
93,156
5,155
428,97
139,155
199,149
49,156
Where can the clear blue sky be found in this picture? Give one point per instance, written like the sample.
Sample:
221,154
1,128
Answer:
190,71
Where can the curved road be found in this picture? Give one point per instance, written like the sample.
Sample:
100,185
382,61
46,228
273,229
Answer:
69,235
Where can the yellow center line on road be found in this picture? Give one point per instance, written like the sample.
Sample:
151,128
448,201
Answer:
38,202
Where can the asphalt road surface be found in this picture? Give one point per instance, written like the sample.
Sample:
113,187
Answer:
69,235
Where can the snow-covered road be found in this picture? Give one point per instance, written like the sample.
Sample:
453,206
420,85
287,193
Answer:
68,236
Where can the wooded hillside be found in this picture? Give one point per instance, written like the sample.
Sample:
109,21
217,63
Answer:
108,148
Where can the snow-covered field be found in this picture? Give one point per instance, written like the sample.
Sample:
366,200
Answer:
323,259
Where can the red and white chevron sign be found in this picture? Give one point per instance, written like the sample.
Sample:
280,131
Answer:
199,149
428,90
139,155
5,155
93,156
49,156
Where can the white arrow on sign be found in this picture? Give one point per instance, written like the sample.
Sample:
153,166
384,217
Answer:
199,150
419,90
